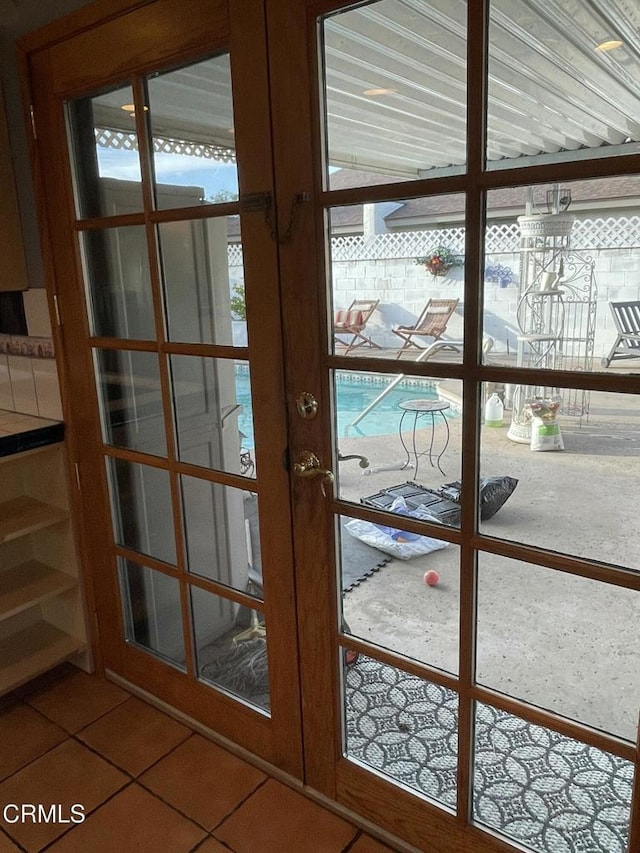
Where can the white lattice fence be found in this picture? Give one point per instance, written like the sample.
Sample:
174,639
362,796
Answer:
612,232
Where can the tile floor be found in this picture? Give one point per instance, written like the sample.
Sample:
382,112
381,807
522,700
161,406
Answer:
147,783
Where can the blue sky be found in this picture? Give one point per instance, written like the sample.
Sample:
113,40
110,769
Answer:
179,169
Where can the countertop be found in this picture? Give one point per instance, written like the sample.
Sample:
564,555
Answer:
20,432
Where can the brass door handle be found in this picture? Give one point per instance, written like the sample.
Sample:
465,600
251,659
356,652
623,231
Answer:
308,466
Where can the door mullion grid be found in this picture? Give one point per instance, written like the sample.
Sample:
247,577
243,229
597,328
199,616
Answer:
479,180
143,127
477,46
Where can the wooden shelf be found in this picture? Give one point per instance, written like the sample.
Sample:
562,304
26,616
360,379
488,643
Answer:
32,651
23,515
29,584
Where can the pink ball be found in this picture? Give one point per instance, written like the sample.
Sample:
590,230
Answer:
431,578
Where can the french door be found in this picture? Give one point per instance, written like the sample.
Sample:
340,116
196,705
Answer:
177,424
269,548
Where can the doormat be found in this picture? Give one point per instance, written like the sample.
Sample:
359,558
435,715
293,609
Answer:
542,789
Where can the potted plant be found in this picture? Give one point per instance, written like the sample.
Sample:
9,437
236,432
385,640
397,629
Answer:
238,316
439,260
237,303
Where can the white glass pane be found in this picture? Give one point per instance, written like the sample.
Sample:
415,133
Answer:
561,277
560,81
222,533
152,611
572,646
116,267
203,280
131,400
394,91
191,116
142,509
231,647
548,792
582,499
104,143
397,290
402,727
213,412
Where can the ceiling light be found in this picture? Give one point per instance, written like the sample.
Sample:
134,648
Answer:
378,91
131,108
612,44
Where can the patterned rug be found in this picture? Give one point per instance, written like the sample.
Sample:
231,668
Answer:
544,790
548,792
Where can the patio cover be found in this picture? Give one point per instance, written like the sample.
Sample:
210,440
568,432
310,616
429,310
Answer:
552,87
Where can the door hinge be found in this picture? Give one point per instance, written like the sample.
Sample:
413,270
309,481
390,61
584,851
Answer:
32,119
56,308
76,469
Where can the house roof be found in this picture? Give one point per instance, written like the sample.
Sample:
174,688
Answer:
616,192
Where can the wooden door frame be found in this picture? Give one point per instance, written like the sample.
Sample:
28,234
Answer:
50,76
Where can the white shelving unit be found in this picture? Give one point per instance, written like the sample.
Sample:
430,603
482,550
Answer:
41,612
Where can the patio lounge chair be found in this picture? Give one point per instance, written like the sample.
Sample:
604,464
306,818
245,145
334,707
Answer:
626,316
352,322
431,323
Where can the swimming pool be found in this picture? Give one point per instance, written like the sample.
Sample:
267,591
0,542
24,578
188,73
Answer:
353,393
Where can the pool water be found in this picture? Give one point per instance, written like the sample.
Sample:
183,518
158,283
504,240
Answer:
351,399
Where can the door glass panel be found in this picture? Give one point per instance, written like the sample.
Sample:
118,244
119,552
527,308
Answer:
583,665
142,509
222,533
116,267
562,265
397,288
104,144
191,115
231,647
399,439
402,727
212,399
400,590
581,501
394,91
203,280
546,791
152,612
552,94
131,400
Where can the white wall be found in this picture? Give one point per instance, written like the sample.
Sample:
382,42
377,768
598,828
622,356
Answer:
385,268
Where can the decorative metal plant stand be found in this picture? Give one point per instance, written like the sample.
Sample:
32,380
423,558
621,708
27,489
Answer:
556,315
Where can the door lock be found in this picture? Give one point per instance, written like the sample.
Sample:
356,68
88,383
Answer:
307,405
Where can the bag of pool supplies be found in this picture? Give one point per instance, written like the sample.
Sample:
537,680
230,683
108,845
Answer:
398,543
545,429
